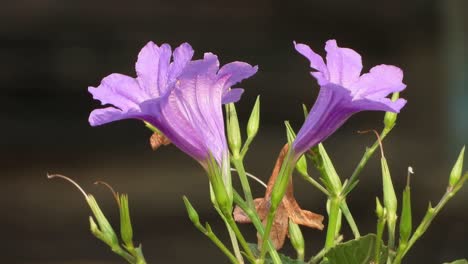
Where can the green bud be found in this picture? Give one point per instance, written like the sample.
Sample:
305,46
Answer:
301,165
192,213
379,210
390,117
457,169
94,228
332,178
297,240
221,197
254,120
305,110
390,200
107,233
406,219
233,131
126,230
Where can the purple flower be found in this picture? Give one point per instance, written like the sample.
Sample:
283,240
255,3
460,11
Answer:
182,98
344,92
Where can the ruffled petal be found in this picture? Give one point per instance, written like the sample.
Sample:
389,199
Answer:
344,65
182,56
120,91
382,104
381,81
232,95
316,62
152,68
237,72
109,114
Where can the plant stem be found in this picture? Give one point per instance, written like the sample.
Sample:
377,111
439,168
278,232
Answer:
319,256
258,225
209,233
365,158
240,237
427,220
378,244
277,194
349,218
332,221
314,183
235,244
239,165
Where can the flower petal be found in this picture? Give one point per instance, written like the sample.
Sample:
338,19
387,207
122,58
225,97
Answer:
316,62
330,111
344,65
237,72
119,90
109,114
182,56
152,68
232,95
382,104
379,82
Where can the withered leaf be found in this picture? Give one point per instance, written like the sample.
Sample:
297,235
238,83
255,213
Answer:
288,209
158,139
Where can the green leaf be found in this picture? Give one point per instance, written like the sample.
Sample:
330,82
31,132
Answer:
460,261
284,259
358,251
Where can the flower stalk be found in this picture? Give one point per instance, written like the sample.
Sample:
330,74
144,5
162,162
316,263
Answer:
431,213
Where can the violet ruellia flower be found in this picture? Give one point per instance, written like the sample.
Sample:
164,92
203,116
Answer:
182,98
344,92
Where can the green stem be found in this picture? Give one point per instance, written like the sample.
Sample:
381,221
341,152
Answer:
235,244
427,220
316,259
245,148
209,233
349,219
391,226
124,254
277,194
365,158
258,225
240,237
239,165
314,183
332,221
378,243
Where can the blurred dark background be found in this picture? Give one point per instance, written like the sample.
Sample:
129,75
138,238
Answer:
51,51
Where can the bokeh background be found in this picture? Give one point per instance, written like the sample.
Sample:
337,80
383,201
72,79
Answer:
51,51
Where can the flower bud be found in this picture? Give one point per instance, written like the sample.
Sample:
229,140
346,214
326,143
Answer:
126,230
192,213
254,120
106,232
390,200
332,178
233,132
379,210
390,117
457,169
406,219
297,240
